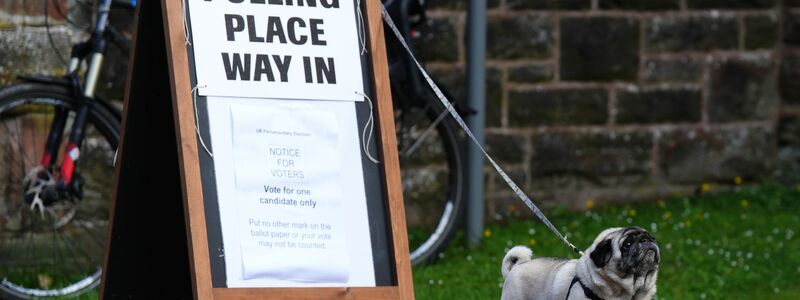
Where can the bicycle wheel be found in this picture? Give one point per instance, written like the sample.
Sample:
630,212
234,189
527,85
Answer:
57,250
432,173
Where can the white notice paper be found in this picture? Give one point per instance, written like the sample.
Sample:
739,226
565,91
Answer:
282,159
276,49
291,193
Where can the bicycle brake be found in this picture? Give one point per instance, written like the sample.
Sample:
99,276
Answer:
37,202
42,189
34,184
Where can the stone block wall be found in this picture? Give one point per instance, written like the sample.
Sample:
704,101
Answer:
35,43
593,101
589,101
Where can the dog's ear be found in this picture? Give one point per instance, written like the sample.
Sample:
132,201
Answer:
602,253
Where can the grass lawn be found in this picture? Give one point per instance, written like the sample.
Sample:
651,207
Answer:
739,244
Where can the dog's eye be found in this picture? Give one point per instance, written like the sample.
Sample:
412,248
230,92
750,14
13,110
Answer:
626,245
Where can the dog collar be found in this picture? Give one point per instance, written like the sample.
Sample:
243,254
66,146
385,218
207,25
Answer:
586,291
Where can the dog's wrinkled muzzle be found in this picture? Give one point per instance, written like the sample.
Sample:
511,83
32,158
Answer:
650,248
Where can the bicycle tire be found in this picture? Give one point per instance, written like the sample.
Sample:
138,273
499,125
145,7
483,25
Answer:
446,205
78,224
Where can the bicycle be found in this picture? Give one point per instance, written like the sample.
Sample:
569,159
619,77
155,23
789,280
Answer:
54,208
57,149
429,142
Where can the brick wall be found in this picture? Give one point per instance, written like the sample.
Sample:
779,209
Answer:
601,100
621,100
28,46
24,43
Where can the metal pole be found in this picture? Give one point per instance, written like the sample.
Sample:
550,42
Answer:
476,83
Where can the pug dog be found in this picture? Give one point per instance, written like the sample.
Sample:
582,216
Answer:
621,263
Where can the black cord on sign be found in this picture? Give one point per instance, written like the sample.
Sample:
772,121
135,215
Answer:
50,36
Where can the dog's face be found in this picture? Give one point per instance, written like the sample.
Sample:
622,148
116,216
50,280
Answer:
629,251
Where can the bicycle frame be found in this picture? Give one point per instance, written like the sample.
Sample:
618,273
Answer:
408,15
95,49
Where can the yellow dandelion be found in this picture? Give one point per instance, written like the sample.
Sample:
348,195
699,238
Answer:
667,214
744,203
487,233
737,180
705,187
688,223
590,203
532,242
632,212
661,203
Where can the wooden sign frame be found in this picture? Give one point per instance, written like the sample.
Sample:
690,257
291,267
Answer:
144,258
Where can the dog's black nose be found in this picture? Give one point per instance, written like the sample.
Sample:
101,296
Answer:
651,246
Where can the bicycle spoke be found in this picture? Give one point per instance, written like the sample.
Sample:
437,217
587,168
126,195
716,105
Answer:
25,154
34,138
425,134
29,246
4,245
70,252
7,249
66,242
60,251
18,146
94,236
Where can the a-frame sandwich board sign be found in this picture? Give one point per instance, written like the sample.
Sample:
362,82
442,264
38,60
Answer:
245,169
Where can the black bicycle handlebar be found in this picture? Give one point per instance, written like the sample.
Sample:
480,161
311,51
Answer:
117,38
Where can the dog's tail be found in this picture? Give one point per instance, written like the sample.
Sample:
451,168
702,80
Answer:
515,256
